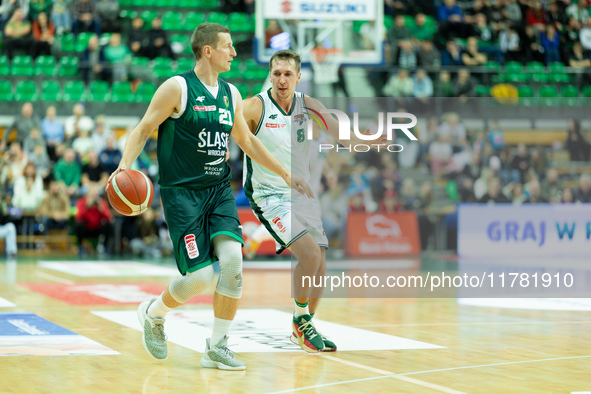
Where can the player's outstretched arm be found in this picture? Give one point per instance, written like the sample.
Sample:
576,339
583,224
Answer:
255,149
333,127
165,102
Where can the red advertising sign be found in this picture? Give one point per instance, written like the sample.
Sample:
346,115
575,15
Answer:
383,234
106,293
250,223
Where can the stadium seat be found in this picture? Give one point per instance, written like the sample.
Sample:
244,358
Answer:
216,17
45,65
513,67
256,89
144,93
125,3
534,67
22,66
51,91
141,3
243,89
517,77
482,91
388,22
68,66
556,66
98,91
186,3
164,3
548,95
4,66
559,77
127,14
193,19
569,95
178,41
68,43
586,92
208,4
184,64
139,61
526,95
121,92
541,77
82,41
172,20
239,22
6,91
148,16
162,67
73,91
26,91
492,66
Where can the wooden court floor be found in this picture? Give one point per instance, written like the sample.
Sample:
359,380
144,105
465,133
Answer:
477,349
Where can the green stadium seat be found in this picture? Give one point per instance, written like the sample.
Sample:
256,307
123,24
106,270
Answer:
144,93
164,3
193,19
98,91
22,66
141,3
186,3
541,77
548,95
388,22
534,67
517,77
148,16
45,65
179,41
68,43
409,21
73,91
216,17
125,3
6,91
104,38
526,94
51,91
208,4
121,97
121,88
586,92
184,64
68,66
559,77
482,91
513,67
239,22
26,91
498,78
569,95
4,65
256,89
162,67
556,66
139,61
492,66
82,41
243,89
172,20
127,14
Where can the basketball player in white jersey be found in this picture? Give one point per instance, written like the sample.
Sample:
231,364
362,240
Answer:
278,117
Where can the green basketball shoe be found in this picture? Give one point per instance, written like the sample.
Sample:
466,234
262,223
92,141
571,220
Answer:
305,334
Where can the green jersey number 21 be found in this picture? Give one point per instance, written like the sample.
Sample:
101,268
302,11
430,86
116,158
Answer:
225,117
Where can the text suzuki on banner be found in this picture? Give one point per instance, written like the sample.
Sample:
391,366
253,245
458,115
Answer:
320,9
384,234
524,230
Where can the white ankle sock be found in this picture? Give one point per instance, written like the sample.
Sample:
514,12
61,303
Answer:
158,308
221,327
301,310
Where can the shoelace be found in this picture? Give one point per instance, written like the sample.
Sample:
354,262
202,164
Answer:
308,329
158,330
226,351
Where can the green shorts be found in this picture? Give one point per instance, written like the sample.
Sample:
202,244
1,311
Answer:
194,217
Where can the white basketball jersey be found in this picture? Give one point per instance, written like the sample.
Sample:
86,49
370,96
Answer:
284,135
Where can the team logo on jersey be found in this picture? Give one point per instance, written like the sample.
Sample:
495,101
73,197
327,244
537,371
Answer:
191,245
200,98
226,101
274,116
299,118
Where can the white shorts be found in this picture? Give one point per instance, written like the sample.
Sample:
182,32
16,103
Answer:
288,221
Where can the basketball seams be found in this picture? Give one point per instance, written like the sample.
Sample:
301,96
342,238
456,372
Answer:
137,193
122,193
144,205
124,199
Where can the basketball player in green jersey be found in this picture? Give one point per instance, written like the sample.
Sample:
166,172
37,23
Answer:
278,118
195,113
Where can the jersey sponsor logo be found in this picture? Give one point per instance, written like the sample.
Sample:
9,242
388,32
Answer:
215,162
279,225
275,125
200,98
215,140
274,116
191,246
206,108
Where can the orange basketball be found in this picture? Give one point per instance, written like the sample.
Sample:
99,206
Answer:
130,192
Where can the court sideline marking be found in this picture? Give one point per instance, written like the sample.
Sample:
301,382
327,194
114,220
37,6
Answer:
402,375
54,278
473,323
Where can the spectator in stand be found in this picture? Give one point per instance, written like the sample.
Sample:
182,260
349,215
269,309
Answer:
93,217
478,7
555,16
521,161
509,43
34,138
61,16
451,20
94,172
23,123
7,9
471,56
536,16
37,7
7,227
421,31
579,10
390,203
83,143
333,205
576,145
43,31
93,63
514,13
569,34
453,130
422,85
532,45
585,35
136,37
495,136
428,55
494,194
28,190
55,208
534,193
85,17
72,123
100,134
399,85
567,196
41,160
68,171
356,203
552,186
108,13
551,44
483,31
53,130
110,156
17,34
583,193
465,85
579,59
440,153
398,32
118,57
407,58
451,55
445,87
158,45
408,198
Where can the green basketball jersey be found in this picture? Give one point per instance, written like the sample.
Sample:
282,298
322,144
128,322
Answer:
192,144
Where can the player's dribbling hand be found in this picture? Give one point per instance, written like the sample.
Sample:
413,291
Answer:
298,183
117,171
